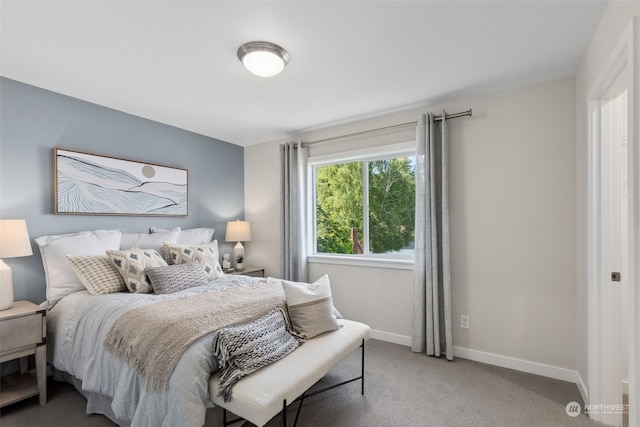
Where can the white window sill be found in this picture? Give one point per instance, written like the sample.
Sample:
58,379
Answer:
359,261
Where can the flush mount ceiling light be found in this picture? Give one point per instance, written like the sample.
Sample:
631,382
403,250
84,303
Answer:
263,59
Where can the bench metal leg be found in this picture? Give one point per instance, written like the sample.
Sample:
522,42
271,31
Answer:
362,371
284,413
304,395
226,423
295,421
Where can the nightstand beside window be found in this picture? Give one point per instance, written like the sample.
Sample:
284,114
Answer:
249,271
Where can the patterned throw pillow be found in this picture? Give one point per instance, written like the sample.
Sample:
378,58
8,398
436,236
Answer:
97,274
174,278
131,265
245,348
207,256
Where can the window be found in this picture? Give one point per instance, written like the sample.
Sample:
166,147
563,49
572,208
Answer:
365,206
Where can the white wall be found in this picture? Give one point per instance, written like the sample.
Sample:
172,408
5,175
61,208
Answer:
615,20
262,206
512,227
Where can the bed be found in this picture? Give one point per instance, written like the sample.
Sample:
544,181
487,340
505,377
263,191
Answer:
82,317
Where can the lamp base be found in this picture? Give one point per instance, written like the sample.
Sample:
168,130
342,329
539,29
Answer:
6,286
238,250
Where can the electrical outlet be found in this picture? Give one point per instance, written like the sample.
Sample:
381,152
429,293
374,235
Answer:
464,321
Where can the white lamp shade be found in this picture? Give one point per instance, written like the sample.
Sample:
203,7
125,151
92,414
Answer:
238,231
14,238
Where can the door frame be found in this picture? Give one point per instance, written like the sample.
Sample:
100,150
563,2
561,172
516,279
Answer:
600,302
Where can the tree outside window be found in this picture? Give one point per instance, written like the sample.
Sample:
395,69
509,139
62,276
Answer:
365,207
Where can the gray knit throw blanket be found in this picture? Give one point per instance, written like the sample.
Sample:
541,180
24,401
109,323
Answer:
245,348
151,339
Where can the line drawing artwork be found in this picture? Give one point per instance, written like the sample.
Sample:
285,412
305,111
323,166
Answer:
99,185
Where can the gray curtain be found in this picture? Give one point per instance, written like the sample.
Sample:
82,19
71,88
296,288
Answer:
293,160
432,288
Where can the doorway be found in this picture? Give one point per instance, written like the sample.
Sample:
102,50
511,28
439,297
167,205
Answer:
612,303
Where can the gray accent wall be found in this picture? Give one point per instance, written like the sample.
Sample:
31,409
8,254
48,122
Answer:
33,121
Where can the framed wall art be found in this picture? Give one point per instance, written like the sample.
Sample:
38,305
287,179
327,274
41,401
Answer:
90,184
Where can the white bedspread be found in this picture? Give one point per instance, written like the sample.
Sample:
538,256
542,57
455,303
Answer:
77,327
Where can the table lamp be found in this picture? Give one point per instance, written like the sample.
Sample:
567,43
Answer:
238,231
14,242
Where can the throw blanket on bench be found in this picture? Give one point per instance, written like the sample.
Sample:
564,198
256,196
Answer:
151,339
245,348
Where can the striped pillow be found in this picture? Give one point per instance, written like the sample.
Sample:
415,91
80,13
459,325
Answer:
97,274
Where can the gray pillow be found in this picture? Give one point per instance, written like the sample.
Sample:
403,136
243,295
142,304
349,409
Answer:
173,278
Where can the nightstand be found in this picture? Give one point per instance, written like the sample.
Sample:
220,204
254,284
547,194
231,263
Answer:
250,271
23,332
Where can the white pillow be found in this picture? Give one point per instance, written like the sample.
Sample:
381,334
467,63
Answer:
149,241
60,277
191,236
310,306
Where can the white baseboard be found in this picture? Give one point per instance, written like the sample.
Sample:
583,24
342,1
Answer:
517,364
584,392
389,337
536,368
582,388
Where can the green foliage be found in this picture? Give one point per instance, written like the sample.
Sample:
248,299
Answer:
339,206
339,201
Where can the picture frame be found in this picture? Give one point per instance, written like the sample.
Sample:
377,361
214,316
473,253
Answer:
93,184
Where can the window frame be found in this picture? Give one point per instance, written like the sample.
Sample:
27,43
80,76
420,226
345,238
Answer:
404,149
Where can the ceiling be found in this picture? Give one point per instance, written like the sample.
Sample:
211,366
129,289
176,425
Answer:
175,61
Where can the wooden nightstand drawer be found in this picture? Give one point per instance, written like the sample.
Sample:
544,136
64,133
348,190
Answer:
23,332
20,332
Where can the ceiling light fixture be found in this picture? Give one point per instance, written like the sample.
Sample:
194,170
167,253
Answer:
263,59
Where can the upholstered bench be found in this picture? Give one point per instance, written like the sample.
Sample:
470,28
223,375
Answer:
260,396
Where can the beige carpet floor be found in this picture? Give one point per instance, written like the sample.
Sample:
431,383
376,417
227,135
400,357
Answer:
402,389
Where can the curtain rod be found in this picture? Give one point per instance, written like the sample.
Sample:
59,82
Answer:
436,118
